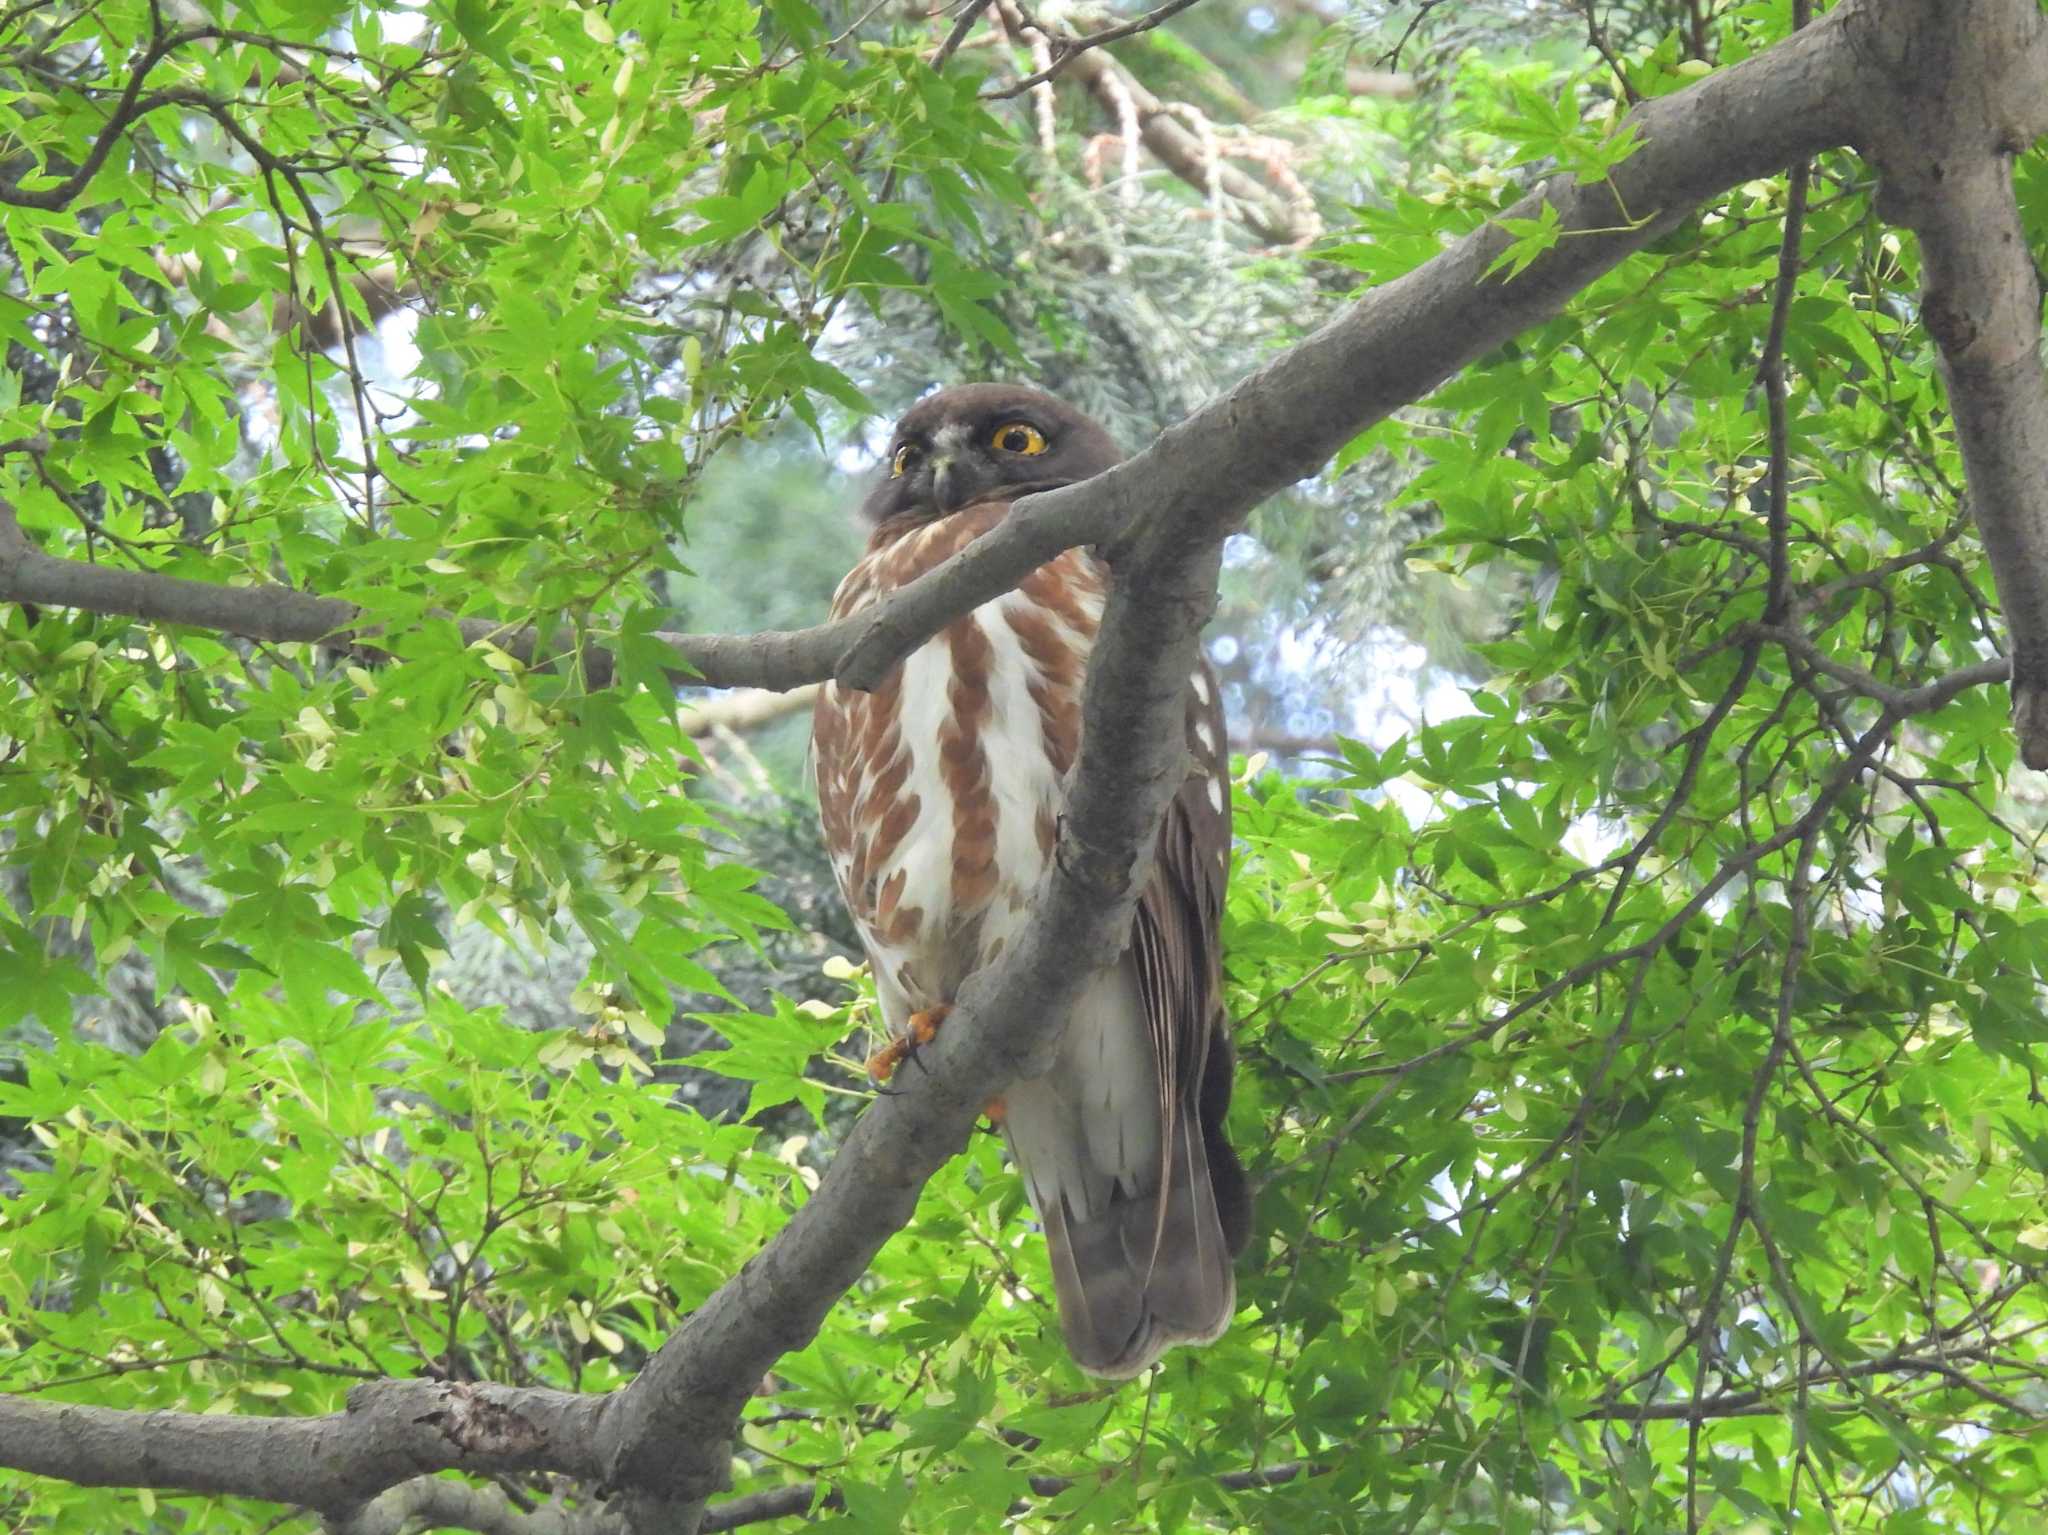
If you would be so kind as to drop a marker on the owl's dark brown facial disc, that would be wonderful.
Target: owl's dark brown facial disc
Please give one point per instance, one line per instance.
(983, 441)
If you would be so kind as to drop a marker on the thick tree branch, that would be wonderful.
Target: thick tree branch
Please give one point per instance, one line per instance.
(1163, 517)
(1954, 105)
(391, 1432)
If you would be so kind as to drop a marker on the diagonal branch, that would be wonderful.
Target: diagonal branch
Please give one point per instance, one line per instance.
(1284, 422)
(1175, 504)
(132, 107)
(970, 13)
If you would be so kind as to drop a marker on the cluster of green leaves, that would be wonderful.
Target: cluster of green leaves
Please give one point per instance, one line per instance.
(1655, 1049)
(324, 1181)
(517, 177)
(276, 1201)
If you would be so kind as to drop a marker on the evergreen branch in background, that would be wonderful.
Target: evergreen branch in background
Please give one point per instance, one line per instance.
(378, 286)
(432, 1502)
(1194, 157)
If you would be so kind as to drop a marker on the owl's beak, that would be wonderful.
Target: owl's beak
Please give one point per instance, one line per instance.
(946, 482)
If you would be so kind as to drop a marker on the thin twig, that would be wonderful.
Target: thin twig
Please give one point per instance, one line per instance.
(970, 13)
(1066, 49)
(1771, 372)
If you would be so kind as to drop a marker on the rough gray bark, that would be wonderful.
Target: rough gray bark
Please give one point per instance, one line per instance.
(392, 1431)
(662, 1443)
(1958, 102)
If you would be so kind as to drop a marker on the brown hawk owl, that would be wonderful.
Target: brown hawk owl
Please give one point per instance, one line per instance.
(940, 793)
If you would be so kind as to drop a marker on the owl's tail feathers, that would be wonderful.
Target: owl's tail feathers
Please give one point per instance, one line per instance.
(1134, 1279)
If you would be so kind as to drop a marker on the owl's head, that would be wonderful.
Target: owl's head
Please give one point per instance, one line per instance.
(982, 441)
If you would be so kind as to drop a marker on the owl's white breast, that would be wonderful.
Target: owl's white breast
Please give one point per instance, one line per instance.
(987, 718)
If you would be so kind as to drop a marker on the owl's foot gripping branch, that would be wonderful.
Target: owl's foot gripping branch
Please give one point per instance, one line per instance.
(921, 1031)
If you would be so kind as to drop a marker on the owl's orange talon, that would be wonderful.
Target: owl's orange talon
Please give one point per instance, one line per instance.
(922, 1030)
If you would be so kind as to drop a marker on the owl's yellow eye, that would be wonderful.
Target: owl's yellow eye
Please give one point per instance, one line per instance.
(900, 464)
(1019, 437)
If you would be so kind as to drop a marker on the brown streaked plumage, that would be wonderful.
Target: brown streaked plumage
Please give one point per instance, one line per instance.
(940, 793)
